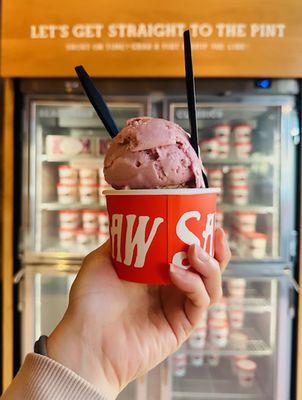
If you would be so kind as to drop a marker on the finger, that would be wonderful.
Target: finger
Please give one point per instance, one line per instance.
(197, 298)
(209, 270)
(98, 254)
(222, 251)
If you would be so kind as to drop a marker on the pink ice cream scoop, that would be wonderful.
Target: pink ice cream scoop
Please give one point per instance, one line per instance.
(152, 153)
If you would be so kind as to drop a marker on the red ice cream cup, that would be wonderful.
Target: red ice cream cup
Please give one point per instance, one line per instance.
(151, 229)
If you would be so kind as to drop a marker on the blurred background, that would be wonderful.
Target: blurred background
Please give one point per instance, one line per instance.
(248, 67)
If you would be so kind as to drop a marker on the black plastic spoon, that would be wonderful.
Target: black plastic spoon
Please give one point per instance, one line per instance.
(97, 101)
(191, 98)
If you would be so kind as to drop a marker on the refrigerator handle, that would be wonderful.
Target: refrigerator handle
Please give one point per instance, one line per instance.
(294, 289)
(18, 280)
(19, 275)
(293, 246)
(291, 280)
(295, 134)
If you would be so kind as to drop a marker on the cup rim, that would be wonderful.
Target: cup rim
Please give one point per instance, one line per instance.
(160, 192)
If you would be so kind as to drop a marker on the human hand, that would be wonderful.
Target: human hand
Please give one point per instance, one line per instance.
(114, 331)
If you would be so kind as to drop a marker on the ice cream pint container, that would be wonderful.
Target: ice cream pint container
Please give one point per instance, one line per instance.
(236, 318)
(218, 310)
(234, 361)
(153, 228)
(257, 244)
(239, 195)
(242, 133)
(213, 357)
(69, 219)
(243, 149)
(236, 287)
(67, 236)
(238, 340)
(209, 148)
(215, 174)
(197, 339)
(67, 175)
(90, 219)
(222, 132)
(245, 222)
(88, 176)
(67, 194)
(224, 149)
(88, 194)
(218, 332)
(197, 358)
(67, 145)
(246, 370)
(179, 363)
(238, 174)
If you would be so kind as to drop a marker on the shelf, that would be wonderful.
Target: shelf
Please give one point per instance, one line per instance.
(75, 251)
(214, 383)
(238, 161)
(55, 206)
(256, 347)
(64, 158)
(257, 208)
(254, 305)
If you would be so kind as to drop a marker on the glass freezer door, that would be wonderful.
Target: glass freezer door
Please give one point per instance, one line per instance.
(65, 214)
(240, 351)
(246, 146)
(43, 299)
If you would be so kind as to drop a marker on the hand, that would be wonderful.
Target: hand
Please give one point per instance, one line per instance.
(114, 331)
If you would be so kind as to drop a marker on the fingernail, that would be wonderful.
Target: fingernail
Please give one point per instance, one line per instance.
(201, 254)
(177, 270)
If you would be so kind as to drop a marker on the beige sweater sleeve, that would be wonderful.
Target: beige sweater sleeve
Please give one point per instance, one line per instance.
(41, 378)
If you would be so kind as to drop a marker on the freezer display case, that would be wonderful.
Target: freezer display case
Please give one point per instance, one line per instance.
(242, 349)
(246, 144)
(65, 215)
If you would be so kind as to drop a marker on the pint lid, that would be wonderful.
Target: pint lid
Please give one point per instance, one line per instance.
(64, 166)
(246, 365)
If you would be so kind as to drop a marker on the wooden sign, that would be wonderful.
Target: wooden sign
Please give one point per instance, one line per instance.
(233, 38)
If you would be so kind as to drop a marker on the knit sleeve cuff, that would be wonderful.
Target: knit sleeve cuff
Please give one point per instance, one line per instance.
(41, 377)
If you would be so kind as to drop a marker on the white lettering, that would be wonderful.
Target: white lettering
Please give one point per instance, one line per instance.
(116, 234)
(203, 30)
(183, 232)
(142, 30)
(231, 30)
(179, 258)
(208, 233)
(186, 236)
(49, 31)
(87, 31)
(138, 240)
(267, 30)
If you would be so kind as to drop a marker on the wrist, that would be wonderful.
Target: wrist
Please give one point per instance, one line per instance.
(71, 346)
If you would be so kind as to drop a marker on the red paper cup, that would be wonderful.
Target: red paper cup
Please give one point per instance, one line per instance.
(150, 229)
